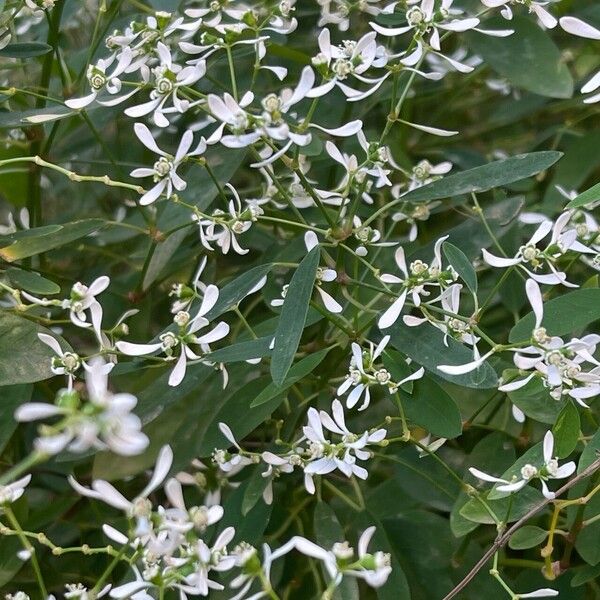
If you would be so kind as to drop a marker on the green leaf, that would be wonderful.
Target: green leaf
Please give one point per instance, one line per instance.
(520, 505)
(425, 345)
(31, 281)
(533, 456)
(172, 216)
(38, 241)
(11, 396)
(590, 453)
(161, 256)
(562, 315)
(293, 316)
(328, 532)
(462, 265)
(235, 291)
(587, 544)
(25, 50)
(534, 399)
(301, 369)
(588, 197)
(254, 490)
(242, 415)
(431, 407)
(529, 59)
(23, 358)
(486, 177)
(242, 351)
(566, 430)
(528, 536)
(249, 526)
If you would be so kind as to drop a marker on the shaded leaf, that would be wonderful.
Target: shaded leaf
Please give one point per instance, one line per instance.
(526, 537)
(293, 316)
(486, 177)
(529, 59)
(23, 246)
(31, 281)
(432, 408)
(562, 315)
(25, 50)
(425, 345)
(566, 430)
(462, 265)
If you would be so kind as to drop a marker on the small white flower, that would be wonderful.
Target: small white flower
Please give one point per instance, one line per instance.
(164, 171)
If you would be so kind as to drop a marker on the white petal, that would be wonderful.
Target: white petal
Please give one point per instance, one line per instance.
(578, 27)
(344, 131)
(548, 446)
(497, 261)
(431, 130)
(535, 299)
(390, 316)
(178, 373)
(161, 470)
(137, 349)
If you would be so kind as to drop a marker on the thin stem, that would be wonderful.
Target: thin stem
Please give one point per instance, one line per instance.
(29, 547)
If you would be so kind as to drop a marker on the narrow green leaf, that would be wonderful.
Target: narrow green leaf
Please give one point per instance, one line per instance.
(301, 369)
(432, 408)
(31, 281)
(528, 58)
(25, 50)
(462, 265)
(425, 345)
(293, 316)
(566, 430)
(487, 177)
(254, 490)
(32, 244)
(242, 351)
(235, 291)
(588, 197)
(528, 536)
(562, 315)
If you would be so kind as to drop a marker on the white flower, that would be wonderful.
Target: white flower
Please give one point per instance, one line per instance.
(164, 171)
(104, 422)
(13, 491)
(351, 59)
(100, 80)
(558, 363)
(419, 278)
(529, 254)
(425, 22)
(548, 470)
(582, 29)
(171, 342)
(223, 227)
(340, 560)
(326, 456)
(229, 462)
(168, 78)
(364, 374)
(140, 508)
(64, 363)
(534, 6)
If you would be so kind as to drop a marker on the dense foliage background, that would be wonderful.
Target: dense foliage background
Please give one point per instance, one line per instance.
(484, 150)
